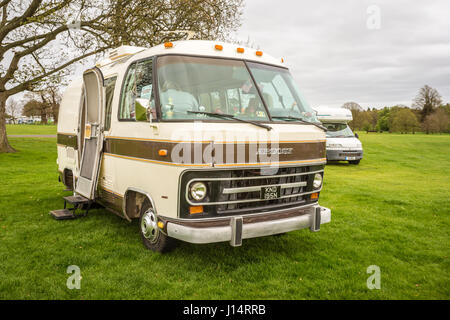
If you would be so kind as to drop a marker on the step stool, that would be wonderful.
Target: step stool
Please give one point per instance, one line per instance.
(78, 202)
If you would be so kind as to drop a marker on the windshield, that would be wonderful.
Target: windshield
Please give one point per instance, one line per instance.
(225, 86)
(280, 93)
(338, 130)
(209, 85)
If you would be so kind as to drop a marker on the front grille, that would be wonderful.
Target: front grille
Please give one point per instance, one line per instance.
(241, 201)
(239, 191)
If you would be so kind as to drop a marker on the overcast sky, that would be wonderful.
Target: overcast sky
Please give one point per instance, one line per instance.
(339, 51)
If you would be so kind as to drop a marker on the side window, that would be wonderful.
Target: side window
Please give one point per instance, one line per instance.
(138, 102)
(110, 84)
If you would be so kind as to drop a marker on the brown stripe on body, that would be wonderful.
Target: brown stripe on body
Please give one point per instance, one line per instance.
(110, 199)
(177, 152)
(220, 153)
(67, 139)
(145, 149)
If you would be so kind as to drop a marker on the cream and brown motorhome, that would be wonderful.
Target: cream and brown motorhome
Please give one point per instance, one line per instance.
(201, 141)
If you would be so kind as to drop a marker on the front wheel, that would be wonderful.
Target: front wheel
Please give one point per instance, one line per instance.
(354, 161)
(152, 237)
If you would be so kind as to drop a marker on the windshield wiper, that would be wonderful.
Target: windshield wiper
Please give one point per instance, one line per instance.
(302, 120)
(230, 116)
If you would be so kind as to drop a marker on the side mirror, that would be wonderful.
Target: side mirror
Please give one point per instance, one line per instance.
(356, 135)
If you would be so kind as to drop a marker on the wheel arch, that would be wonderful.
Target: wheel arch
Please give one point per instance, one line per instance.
(67, 177)
(133, 199)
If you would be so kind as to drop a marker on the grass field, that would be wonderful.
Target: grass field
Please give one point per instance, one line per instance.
(26, 129)
(392, 210)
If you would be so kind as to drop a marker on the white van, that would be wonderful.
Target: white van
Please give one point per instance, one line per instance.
(342, 143)
(201, 141)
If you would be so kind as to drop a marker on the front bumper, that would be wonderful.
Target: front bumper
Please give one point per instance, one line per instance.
(237, 228)
(344, 154)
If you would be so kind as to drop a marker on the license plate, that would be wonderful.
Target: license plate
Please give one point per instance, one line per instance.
(350, 158)
(270, 193)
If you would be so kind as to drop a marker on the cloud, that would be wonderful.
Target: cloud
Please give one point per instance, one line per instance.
(336, 58)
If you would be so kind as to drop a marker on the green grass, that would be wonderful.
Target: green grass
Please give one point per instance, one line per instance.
(26, 129)
(392, 210)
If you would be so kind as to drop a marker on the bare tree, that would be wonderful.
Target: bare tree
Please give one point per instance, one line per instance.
(49, 100)
(13, 109)
(52, 96)
(42, 104)
(352, 106)
(40, 39)
(438, 121)
(427, 100)
(359, 119)
(429, 125)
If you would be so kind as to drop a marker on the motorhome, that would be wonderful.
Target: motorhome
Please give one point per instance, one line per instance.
(201, 141)
(342, 143)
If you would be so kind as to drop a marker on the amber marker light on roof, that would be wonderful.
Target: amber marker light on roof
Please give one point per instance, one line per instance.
(240, 50)
(259, 53)
(218, 47)
(168, 44)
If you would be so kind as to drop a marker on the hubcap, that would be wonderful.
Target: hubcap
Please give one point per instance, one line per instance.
(149, 228)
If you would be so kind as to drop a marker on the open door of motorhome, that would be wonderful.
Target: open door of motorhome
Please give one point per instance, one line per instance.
(92, 125)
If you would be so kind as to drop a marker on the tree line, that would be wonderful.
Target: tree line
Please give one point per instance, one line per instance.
(427, 114)
(44, 104)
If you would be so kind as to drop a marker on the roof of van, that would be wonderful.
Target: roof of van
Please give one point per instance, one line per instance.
(193, 47)
(328, 114)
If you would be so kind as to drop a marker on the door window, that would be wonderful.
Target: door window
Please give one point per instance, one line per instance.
(110, 84)
(138, 103)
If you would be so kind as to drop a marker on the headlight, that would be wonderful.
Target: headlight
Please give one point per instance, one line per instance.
(334, 145)
(317, 181)
(198, 191)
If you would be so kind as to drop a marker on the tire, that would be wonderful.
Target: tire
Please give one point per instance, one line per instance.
(152, 237)
(354, 161)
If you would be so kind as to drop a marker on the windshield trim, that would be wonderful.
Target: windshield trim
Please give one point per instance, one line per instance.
(258, 90)
(157, 98)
